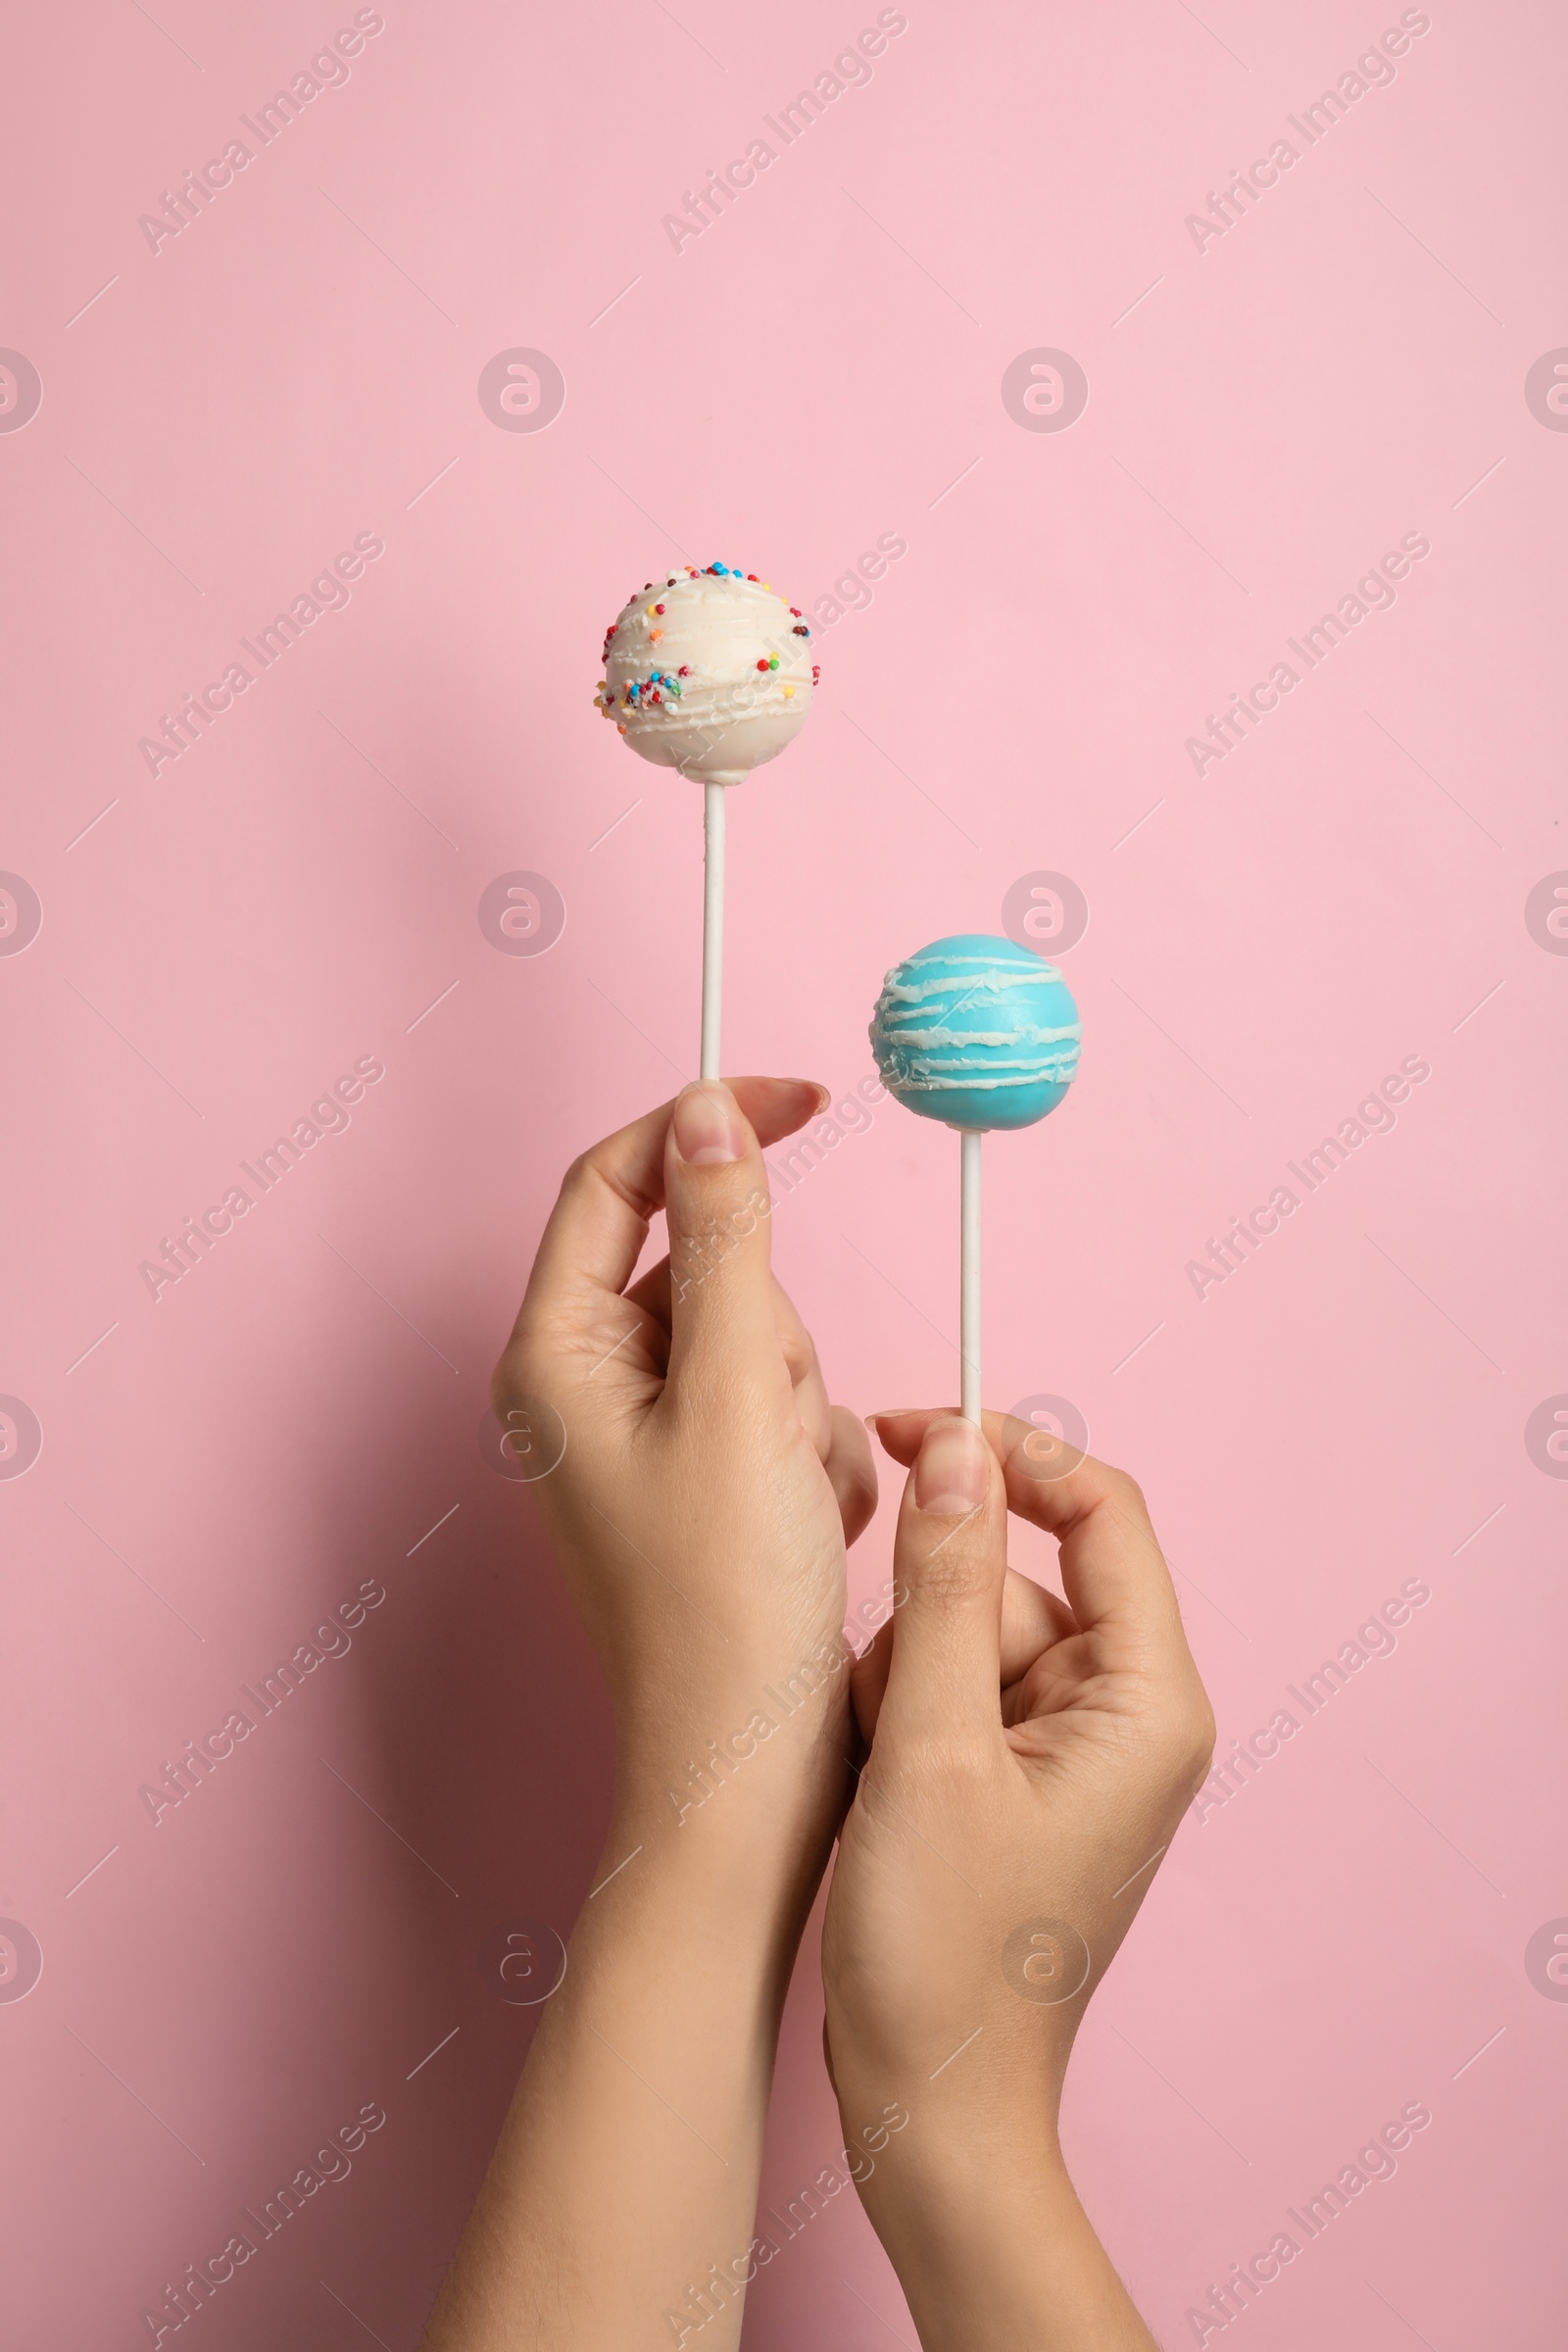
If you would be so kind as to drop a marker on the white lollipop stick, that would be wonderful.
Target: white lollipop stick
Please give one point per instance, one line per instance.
(713, 923)
(969, 1271)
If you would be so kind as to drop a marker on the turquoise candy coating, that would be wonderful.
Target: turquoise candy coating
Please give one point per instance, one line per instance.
(976, 1032)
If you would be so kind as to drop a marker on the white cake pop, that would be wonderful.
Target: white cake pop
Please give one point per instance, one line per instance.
(709, 672)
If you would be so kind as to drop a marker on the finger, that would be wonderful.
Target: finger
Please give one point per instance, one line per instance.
(1112, 1570)
(851, 1472)
(650, 1292)
(723, 1319)
(899, 1430)
(812, 1400)
(600, 1223)
(950, 1562)
(1033, 1620)
(868, 1681)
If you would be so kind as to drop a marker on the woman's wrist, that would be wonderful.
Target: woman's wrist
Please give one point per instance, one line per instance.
(996, 2253)
(625, 2184)
(764, 1769)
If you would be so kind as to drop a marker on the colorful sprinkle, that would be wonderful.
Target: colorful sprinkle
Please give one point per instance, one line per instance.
(661, 687)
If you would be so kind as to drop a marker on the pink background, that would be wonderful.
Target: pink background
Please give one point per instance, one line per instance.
(820, 366)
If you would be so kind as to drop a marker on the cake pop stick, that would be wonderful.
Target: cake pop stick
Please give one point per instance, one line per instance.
(969, 1139)
(980, 1034)
(709, 672)
(713, 924)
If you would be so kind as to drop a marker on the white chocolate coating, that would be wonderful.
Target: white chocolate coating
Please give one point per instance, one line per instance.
(708, 672)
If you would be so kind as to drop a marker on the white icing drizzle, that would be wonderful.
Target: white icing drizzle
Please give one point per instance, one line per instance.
(719, 628)
(925, 1056)
(993, 978)
(726, 715)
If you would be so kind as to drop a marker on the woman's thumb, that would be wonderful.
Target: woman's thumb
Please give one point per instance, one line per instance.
(717, 1208)
(950, 1565)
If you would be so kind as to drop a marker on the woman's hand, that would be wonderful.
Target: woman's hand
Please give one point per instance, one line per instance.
(705, 1488)
(1029, 1760)
(698, 1491)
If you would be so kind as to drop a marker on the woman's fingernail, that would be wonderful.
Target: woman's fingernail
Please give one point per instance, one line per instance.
(709, 1131)
(950, 1470)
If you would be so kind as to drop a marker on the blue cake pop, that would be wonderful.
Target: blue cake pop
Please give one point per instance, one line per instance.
(977, 1032)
